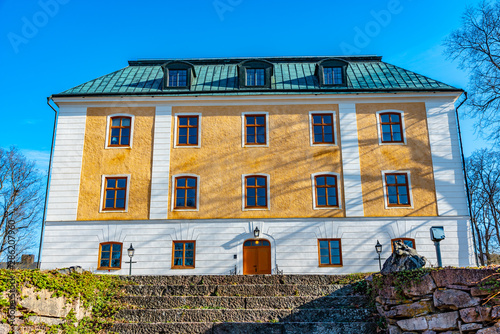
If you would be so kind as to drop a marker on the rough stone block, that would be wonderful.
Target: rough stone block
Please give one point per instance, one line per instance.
(410, 310)
(481, 291)
(451, 276)
(495, 329)
(429, 332)
(394, 330)
(45, 320)
(414, 324)
(443, 321)
(424, 287)
(475, 314)
(495, 312)
(470, 327)
(454, 299)
(458, 287)
(4, 329)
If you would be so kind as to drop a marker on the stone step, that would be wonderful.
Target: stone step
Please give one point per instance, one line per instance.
(224, 315)
(289, 302)
(237, 290)
(246, 328)
(240, 279)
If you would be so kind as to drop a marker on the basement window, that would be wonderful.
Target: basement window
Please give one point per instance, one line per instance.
(110, 256)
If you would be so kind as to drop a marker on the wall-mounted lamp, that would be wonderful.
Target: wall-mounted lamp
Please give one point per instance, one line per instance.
(130, 252)
(256, 232)
(437, 234)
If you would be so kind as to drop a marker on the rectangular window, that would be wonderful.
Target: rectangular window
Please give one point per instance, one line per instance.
(110, 255)
(397, 189)
(322, 129)
(119, 132)
(255, 129)
(185, 192)
(187, 130)
(391, 128)
(177, 78)
(255, 77)
(183, 254)
(255, 192)
(330, 252)
(332, 75)
(326, 191)
(115, 193)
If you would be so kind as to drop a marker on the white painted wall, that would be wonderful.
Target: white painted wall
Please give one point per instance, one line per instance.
(350, 160)
(161, 163)
(293, 241)
(67, 164)
(446, 159)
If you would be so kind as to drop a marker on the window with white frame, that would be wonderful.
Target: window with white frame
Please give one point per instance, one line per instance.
(326, 190)
(390, 127)
(255, 129)
(114, 193)
(322, 128)
(255, 192)
(185, 192)
(397, 189)
(187, 130)
(119, 131)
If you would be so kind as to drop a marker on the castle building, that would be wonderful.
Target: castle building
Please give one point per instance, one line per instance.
(254, 166)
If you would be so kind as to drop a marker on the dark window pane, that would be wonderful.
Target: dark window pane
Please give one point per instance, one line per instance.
(126, 132)
(250, 201)
(261, 192)
(193, 121)
(334, 244)
(109, 203)
(115, 132)
(323, 244)
(116, 253)
(261, 181)
(120, 194)
(386, 137)
(191, 182)
(104, 263)
(328, 129)
(250, 120)
(403, 199)
(193, 140)
(384, 118)
(261, 139)
(124, 141)
(110, 194)
(325, 260)
(126, 122)
(324, 252)
(332, 200)
(191, 193)
(397, 137)
(261, 130)
(401, 179)
(193, 131)
(261, 120)
(178, 253)
(181, 182)
(321, 191)
(189, 253)
(320, 180)
(335, 259)
(321, 201)
(318, 129)
(106, 248)
(189, 262)
(183, 121)
(251, 181)
(391, 179)
(111, 183)
(120, 203)
(181, 193)
(261, 201)
(409, 243)
(317, 119)
(115, 263)
(330, 180)
(183, 131)
(393, 199)
(250, 139)
(190, 202)
(122, 183)
(179, 202)
(189, 245)
(318, 138)
(395, 118)
(178, 246)
(391, 190)
(251, 130)
(116, 122)
(386, 129)
(178, 262)
(331, 192)
(251, 192)
(402, 190)
(396, 129)
(114, 140)
(247, 243)
(335, 251)
(327, 119)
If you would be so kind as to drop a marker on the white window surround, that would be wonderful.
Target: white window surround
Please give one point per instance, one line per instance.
(379, 131)
(108, 129)
(410, 192)
(176, 119)
(243, 192)
(243, 114)
(339, 193)
(103, 186)
(172, 207)
(311, 132)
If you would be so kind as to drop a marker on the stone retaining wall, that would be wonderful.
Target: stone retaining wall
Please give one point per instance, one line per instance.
(451, 301)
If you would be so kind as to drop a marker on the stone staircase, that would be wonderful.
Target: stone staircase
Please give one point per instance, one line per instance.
(243, 304)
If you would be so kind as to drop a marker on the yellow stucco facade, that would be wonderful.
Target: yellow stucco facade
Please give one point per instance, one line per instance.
(414, 156)
(99, 160)
(289, 160)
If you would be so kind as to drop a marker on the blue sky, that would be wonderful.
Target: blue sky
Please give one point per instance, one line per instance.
(48, 46)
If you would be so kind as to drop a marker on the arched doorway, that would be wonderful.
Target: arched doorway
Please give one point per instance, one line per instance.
(256, 257)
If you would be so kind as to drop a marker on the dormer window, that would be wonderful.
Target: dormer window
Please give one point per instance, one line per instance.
(255, 74)
(332, 72)
(177, 78)
(332, 75)
(255, 77)
(178, 75)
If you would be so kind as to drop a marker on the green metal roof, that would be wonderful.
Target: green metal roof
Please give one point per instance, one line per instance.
(292, 75)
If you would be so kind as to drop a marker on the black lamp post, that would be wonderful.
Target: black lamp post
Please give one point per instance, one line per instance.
(130, 252)
(256, 232)
(378, 248)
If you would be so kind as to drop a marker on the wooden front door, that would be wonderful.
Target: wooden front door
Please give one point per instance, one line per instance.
(256, 257)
